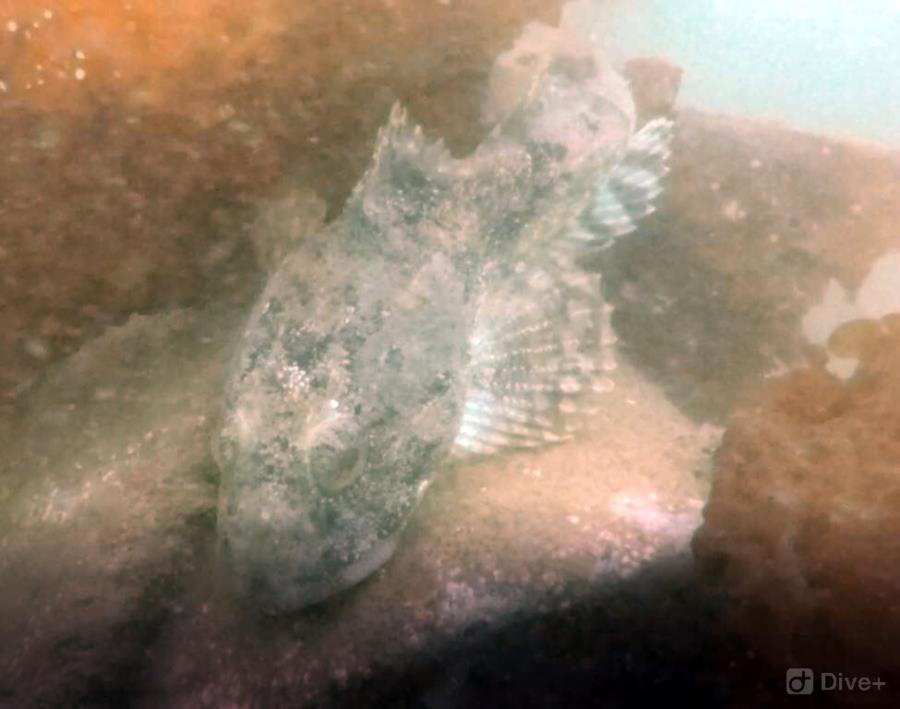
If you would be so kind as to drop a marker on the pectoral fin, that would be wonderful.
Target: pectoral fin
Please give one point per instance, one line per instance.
(541, 349)
(628, 193)
(543, 344)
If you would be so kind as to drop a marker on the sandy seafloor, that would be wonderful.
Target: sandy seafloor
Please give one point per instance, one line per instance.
(112, 534)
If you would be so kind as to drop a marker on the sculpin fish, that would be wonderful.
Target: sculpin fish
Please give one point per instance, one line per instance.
(443, 313)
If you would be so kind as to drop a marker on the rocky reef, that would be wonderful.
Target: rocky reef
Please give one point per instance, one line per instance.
(122, 121)
(564, 576)
(110, 589)
(801, 524)
(757, 219)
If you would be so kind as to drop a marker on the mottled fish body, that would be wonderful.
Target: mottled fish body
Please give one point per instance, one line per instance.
(442, 312)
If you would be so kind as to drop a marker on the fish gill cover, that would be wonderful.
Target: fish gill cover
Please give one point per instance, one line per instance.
(443, 312)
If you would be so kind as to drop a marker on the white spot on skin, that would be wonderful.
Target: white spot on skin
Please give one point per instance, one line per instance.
(48, 14)
(569, 385)
(333, 404)
(732, 211)
(603, 386)
(79, 55)
(36, 348)
(12, 26)
(80, 74)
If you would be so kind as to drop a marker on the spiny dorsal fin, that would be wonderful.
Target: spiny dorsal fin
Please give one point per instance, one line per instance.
(407, 172)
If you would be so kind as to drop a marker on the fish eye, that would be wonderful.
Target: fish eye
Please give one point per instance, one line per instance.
(335, 469)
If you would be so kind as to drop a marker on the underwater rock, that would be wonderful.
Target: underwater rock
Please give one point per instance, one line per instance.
(139, 138)
(654, 85)
(110, 487)
(106, 490)
(493, 540)
(107, 543)
(755, 221)
(284, 221)
(108, 589)
(444, 310)
(800, 532)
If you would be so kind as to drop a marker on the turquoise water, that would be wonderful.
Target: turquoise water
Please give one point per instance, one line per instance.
(828, 66)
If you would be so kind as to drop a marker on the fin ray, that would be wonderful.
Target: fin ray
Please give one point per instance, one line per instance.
(543, 343)
(627, 194)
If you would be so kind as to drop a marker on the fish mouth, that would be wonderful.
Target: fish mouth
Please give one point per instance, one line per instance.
(279, 592)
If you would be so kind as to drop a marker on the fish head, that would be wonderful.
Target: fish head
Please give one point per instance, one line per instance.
(335, 423)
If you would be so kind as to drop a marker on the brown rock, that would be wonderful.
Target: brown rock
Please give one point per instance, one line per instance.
(139, 138)
(108, 570)
(654, 84)
(106, 495)
(755, 221)
(801, 528)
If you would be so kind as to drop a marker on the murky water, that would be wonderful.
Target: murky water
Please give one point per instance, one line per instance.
(822, 66)
(571, 379)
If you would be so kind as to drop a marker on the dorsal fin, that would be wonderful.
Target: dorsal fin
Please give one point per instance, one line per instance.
(627, 193)
(407, 176)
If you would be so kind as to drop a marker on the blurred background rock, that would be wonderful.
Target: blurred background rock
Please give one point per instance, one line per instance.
(139, 135)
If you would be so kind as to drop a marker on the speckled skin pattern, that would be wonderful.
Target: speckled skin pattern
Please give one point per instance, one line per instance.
(347, 389)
